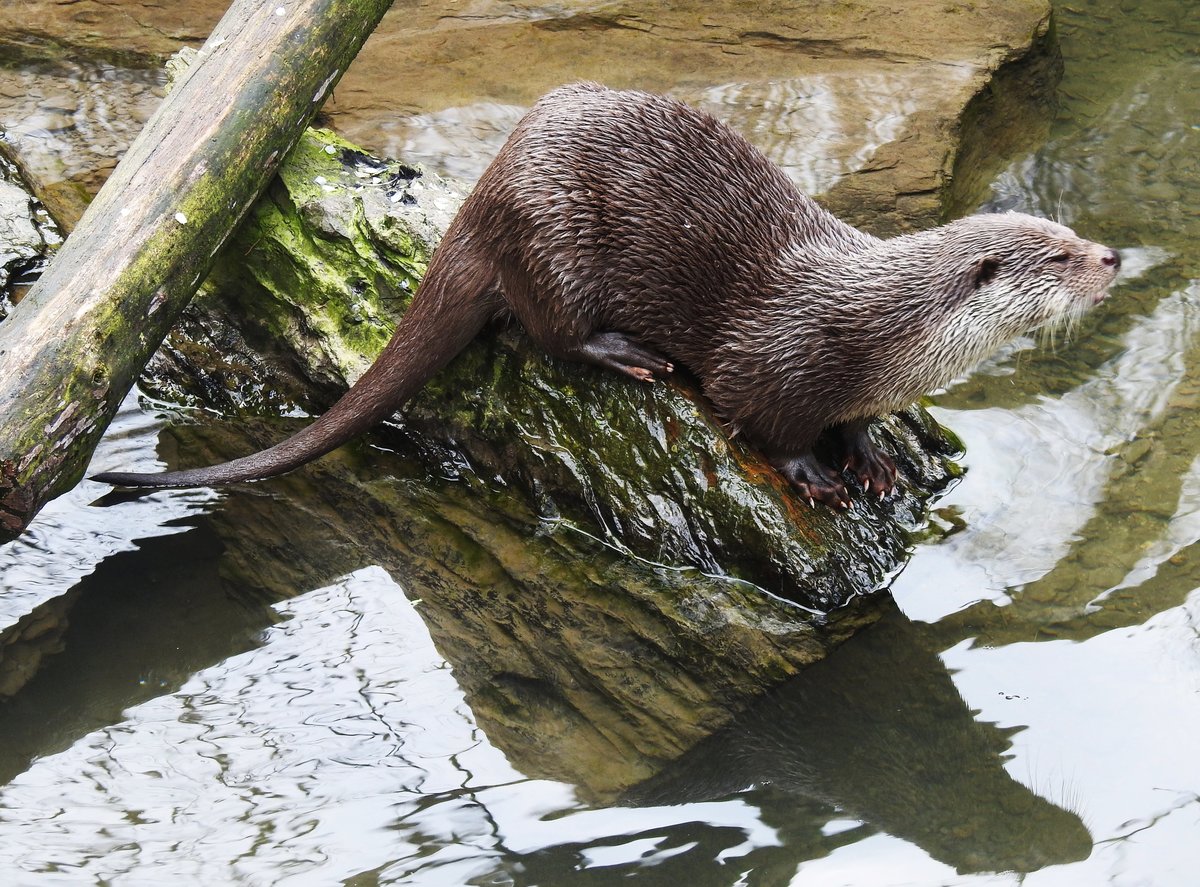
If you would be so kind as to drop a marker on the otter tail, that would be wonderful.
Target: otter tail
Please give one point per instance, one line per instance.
(457, 298)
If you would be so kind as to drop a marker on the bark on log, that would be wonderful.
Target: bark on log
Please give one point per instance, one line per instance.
(74, 346)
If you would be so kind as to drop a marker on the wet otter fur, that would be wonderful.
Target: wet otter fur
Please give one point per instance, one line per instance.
(631, 231)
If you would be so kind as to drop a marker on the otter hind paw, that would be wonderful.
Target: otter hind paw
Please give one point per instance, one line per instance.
(873, 467)
(619, 352)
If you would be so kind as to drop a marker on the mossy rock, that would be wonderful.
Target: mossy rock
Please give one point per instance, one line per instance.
(315, 281)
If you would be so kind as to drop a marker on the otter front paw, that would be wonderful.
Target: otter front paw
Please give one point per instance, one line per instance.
(814, 481)
(873, 467)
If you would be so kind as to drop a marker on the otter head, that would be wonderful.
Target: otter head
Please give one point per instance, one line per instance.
(983, 281)
(1018, 273)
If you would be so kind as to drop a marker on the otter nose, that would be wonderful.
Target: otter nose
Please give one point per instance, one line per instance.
(1112, 259)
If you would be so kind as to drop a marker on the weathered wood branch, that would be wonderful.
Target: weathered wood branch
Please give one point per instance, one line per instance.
(73, 347)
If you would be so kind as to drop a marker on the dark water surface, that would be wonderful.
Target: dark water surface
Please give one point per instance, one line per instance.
(1032, 704)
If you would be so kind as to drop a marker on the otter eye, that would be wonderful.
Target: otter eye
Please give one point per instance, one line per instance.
(985, 271)
(1061, 258)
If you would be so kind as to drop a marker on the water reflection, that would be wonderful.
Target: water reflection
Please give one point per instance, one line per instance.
(136, 627)
(341, 746)
(585, 665)
(344, 744)
(879, 732)
(1100, 463)
(331, 739)
(69, 539)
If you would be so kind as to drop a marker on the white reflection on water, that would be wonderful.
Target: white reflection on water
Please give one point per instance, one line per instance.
(1182, 532)
(882, 860)
(1037, 471)
(68, 539)
(342, 745)
(1092, 739)
(296, 757)
(1096, 737)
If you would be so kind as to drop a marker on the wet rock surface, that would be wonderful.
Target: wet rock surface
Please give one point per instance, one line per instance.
(27, 236)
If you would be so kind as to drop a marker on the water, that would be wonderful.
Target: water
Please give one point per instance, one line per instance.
(235, 702)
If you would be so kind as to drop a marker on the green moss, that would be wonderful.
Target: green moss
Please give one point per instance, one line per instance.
(315, 267)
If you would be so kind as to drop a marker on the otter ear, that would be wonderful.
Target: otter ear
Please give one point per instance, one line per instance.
(985, 271)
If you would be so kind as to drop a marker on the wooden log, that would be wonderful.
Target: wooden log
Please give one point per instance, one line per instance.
(71, 350)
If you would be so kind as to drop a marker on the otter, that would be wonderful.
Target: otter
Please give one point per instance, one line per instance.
(631, 231)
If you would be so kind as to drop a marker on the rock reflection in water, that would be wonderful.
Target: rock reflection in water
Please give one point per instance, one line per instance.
(482, 733)
(136, 627)
(417, 744)
(340, 744)
(583, 664)
(343, 747)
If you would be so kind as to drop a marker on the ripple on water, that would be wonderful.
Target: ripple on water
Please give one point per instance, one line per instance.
(342, 745)
(72, 534)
